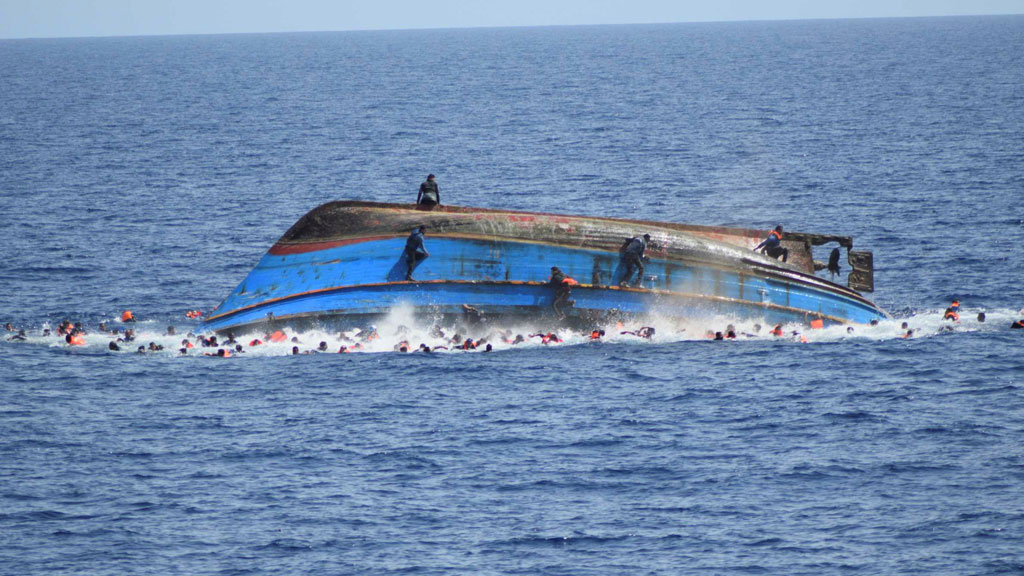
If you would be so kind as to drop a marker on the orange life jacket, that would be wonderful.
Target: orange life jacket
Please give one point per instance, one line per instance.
(77, 340)
(570, 281)
(189, 345)
(127, 316)
(817, 323)
(776, 234)
(278, 336)
(595, 335)
(777, 331)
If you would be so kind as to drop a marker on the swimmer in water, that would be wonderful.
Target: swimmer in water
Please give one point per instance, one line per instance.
(295, 350)
(646, 332)
(19, 337)
(953, 312)
(322, 347)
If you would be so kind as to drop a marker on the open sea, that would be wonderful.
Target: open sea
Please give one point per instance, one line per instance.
(151, 174)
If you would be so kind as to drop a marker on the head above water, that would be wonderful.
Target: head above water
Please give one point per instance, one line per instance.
(779, 228)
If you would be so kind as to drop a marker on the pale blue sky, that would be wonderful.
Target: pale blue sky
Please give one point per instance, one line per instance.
(59, 18)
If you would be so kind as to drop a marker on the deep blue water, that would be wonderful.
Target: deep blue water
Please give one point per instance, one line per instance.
(152, 173)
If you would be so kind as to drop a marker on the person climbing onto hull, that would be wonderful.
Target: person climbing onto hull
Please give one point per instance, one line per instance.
(632, 260)
(415, 252)
(563, 289)
(772, 245)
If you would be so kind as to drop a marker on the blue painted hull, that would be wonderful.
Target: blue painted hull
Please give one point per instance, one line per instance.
(348, 279)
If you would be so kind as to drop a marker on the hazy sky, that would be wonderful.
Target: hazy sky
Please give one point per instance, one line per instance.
(55, 18)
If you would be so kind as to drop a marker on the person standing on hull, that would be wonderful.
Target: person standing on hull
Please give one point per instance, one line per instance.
(633, 259)
(415, 252)
(429, 195)
(773, 245)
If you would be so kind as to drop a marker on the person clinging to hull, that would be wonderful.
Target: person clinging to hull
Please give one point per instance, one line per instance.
(429, 195)
(563, 288)
(415, 252)
(772, 245)
(632, 259)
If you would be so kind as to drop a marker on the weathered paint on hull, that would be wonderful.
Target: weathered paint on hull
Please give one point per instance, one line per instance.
(504, 299)
(360, 272)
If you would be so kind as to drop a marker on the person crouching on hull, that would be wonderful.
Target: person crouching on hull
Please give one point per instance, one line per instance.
(772, 245)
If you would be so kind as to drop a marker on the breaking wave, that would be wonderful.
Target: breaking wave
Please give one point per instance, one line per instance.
(401, 327)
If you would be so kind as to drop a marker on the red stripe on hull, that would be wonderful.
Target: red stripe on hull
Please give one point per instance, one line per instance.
(282, 249)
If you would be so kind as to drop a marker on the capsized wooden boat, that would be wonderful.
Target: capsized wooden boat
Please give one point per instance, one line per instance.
(343, 262)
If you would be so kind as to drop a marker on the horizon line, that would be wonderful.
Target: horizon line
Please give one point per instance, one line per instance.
(512, 26)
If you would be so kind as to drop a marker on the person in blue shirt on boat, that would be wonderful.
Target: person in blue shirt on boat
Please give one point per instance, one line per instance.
(633, 259)
(429, 194)
(773, 245)
(415, 252)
